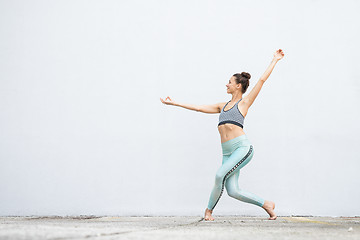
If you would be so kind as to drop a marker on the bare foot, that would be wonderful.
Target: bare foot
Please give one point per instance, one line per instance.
(208, 215)
(269, 208)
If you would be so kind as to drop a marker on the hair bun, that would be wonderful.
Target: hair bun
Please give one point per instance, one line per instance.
(246, 75)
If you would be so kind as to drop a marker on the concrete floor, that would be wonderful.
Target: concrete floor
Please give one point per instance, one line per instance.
(192, 227)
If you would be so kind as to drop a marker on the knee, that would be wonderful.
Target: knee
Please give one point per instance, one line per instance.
(219, 178)
(235, 193)
(232, 192)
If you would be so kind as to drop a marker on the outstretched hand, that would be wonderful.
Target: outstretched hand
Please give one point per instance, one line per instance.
(167, 101)
(279, 54)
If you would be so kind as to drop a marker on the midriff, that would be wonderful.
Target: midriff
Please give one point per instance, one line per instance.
(229, 131)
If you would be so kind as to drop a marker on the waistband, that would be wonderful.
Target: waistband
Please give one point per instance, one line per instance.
(229, 146)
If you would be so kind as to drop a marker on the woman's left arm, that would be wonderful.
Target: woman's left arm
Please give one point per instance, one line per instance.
(250, 98)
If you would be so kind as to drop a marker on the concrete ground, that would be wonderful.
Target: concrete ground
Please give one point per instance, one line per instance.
(192, 227)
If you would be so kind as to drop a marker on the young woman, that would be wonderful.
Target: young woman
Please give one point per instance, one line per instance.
(236, 148)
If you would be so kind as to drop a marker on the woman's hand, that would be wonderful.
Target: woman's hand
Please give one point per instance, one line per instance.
(279, 54)
(167, 101)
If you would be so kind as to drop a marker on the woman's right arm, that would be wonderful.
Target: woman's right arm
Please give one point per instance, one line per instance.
(214, 108)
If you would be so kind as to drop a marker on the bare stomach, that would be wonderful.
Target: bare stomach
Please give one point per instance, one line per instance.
(229, 131)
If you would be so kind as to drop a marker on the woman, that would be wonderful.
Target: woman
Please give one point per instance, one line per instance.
(236, 148)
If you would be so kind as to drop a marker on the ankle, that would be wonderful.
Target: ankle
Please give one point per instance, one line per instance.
(266, 204)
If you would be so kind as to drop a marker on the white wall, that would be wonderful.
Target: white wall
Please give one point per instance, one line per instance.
(82, 129)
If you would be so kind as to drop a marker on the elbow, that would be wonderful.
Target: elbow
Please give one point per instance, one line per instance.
(262, 79)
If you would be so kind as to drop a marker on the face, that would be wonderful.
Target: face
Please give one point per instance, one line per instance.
(232, 86)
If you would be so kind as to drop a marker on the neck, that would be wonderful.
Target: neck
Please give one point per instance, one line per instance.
(236, 97)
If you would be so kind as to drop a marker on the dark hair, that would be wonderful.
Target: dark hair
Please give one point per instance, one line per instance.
(242, 78)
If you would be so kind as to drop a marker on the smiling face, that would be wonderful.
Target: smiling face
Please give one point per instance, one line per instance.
(232, 86)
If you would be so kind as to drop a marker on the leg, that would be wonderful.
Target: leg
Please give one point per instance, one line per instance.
(230, 164)
(215, 192)
(233, 190)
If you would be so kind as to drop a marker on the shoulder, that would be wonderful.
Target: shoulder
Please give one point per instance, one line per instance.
(245, 102)
(222, 104)
(245, 99)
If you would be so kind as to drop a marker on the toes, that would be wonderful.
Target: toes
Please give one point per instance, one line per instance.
(209, 218)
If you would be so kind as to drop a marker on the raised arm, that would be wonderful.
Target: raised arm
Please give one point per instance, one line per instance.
(250, 98)
(214, 108)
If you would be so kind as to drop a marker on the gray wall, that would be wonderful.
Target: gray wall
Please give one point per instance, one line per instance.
(82, 129)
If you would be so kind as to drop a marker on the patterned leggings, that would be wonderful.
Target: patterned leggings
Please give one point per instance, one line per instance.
(237, 152)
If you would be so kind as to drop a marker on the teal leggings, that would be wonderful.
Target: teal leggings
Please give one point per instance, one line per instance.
(237, 152)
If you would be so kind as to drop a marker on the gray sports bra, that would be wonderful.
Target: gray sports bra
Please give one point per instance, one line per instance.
(233, 115)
